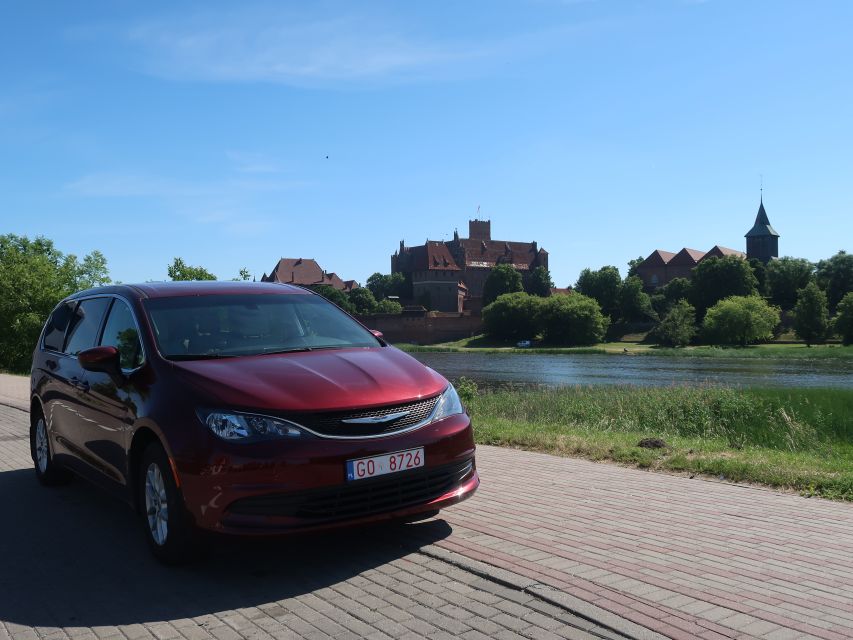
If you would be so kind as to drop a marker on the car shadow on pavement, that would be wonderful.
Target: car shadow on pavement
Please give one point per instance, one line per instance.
(74, 556)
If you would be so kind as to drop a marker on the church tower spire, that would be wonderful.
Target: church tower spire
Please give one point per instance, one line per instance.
(762, 241)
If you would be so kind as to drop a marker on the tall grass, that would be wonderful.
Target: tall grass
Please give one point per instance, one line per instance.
(795, 438)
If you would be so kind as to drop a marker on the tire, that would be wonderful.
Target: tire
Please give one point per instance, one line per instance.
(48, 472)
(168, 528)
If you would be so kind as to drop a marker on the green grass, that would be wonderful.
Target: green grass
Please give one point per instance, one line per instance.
(483, 344)
(799, 439)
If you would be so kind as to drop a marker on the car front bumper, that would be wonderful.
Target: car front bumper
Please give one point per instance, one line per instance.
(298, 486)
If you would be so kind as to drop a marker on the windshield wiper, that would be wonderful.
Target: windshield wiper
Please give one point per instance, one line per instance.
(301, 349)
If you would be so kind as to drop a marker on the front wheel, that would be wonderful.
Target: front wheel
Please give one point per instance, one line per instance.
(47, 471)
(165, 521)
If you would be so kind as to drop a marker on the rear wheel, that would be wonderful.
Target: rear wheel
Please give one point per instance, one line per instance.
(168, 529)
(47, 471)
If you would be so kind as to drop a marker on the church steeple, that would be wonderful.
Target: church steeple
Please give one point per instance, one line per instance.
(762, 241)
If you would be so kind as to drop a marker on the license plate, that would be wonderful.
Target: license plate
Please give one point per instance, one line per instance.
(373, 466)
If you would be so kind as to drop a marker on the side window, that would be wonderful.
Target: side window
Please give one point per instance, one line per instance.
(54, 334)
(85, 322)
(120, 332)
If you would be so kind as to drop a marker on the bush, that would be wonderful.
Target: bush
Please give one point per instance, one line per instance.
(740, 320)
(844, 319)
(811, 318)
(678, 327)
(467, 390)
(388, 306)
(573, 320)
(513, 316)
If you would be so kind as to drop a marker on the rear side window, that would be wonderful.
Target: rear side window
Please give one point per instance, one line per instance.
(85, 323)
(120, 332)
(54, 333)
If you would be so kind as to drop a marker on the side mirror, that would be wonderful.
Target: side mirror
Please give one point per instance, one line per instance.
(103, 359)
(377, 333)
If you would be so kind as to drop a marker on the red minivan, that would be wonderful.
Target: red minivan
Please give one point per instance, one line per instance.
(242, 408)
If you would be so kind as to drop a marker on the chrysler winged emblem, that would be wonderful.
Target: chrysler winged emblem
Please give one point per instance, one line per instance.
(377, 419)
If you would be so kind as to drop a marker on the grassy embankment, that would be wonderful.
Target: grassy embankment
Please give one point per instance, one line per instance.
(800, 439)
(482, 344)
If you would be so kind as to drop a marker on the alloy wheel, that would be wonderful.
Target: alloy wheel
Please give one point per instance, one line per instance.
(42, 453)
(156, 504)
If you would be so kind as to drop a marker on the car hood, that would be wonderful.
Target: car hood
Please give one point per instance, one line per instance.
(313, 380)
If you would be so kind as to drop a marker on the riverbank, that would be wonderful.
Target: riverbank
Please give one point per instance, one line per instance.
(800, 439)
(481, 344)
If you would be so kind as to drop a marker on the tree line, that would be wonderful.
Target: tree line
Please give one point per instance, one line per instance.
(728, 300)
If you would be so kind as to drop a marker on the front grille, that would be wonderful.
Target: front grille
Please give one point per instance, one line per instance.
(359, 498)
(331, 423)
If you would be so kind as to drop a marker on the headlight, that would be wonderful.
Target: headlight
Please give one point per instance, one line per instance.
(448, 404)
(245, 426)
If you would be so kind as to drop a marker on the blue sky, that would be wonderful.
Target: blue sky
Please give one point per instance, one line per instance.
(232, 134)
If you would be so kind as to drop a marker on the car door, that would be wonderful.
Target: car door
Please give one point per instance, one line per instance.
(72, 417)
(58, 371)
(112, 404)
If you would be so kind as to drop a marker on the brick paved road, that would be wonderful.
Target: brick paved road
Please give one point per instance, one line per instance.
(686, 558)
(74, 565)
(689, 558)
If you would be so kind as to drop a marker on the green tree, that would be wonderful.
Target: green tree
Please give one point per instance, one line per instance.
(513, 316)
(540, 283)
(504, 278)
(740, 320)
(759, 270)
(243, 275)
(362, 301)
(34, 277)
(717, 278)
(811, 317)
(835, 276)
(785, 277)
(844, 319)
(180, 270)
(388, 306)
(336, 296)
(678, 327)
(382, 286)
(602, 285)
(635, 305)
(633, 264)
(573, 320)
(676, 289)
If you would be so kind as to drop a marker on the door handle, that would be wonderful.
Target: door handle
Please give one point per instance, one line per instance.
(83, 385)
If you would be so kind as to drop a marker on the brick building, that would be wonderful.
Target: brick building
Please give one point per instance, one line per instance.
(762, 243)
(306, 272)
(449, 275)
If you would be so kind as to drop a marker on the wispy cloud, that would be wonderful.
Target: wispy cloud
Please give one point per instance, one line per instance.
(284, 48)
(236, 204)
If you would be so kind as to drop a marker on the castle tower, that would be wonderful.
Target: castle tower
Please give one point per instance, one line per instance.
(762, 241)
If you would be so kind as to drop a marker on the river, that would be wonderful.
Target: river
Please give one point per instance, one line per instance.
(589, 369)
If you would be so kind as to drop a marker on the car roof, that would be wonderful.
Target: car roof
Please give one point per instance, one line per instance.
(193, 288)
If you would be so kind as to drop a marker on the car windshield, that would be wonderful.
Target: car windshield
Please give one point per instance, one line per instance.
(221, 326)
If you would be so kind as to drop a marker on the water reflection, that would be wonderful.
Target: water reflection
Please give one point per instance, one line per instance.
(572, 369)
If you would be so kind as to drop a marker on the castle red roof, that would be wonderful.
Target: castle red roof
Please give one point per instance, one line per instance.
(306, 272)
(687, 256)
(720, 252)
(658, 257)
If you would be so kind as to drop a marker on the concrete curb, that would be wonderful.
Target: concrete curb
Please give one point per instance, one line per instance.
(580, 608)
